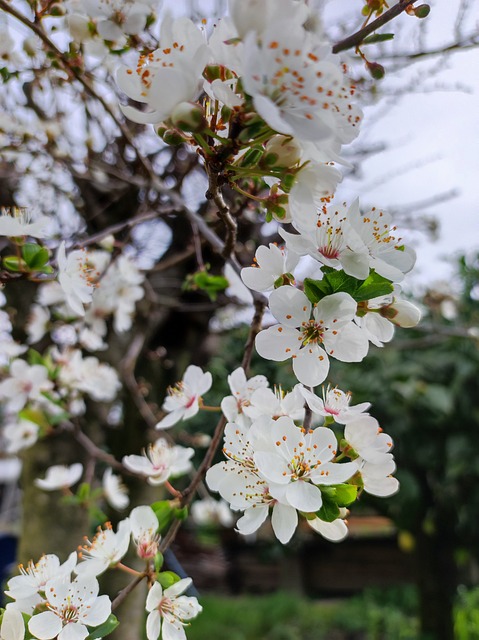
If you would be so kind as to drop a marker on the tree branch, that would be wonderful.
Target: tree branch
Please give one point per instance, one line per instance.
(355, 39)
(76, 73)
(214, 194)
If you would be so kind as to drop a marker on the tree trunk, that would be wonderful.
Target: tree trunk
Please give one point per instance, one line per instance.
(437, 582)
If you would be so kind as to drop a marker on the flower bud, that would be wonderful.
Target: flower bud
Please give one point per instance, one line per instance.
(422, 11)
(376, 70)
(79, 27)
(57, 10)
(189, 116)
(402, 313)
(171, 136)
(30, 46)
(108, 242)
(282, 151)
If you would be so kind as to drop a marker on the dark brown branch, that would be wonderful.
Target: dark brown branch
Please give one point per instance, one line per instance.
(469, 43)
(214, 194)
(189, 492)
(76, 73)
(355, 39)
(94, 451)
(127, 590)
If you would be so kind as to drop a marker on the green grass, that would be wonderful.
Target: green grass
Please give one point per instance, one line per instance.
(287, 617)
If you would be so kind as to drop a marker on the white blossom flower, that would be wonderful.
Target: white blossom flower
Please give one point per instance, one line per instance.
(37, 324)
(378, 479)
(26, 587)
(12, 627)
(144, 527)
(20, 435)
(295, 461)
(265, 402)
(168, 76)
(60, 477)
(9, 349)
(12, 59)
(367, 439)
(308, 335)
(75, 278)
(270, 264)
(329, 238)
(17, 221)
(335, 404)
(72, 607)
(183, 400)
(314, 183)
(208, 512)
(116, 294)
(168, 609)
(297, 87)
(377, 329)
(115, 491)
(259, 477)
(257, 15)
(87, 375)
(242, 389)
(240, 484)
(116, 18)
(378, 317)
(26, 383)
(334, 531)
(160, 461)
(105, 550)
(387, 256)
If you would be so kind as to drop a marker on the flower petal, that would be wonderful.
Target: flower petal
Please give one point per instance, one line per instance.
(304, 496)
(284, 521)
(45, 625)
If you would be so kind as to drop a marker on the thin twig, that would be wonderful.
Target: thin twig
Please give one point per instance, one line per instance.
(214, 193)
(189, 492)
(95, 452)
(355, 39)
(127, 368)
(127, 590)
(75, 72)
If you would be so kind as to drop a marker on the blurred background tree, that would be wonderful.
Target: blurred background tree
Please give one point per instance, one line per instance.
(426, 396)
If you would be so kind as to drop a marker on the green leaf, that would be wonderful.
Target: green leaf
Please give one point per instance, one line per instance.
(14, 263)
(158, 560)
(163, 512)
(83, 492)
(34, 255)
(181, 514)
(35, 416)
(34, 357)
(209, 283)
(252, 157)
(329, 511)
(336, 281)
(167, 579)
(378, 37)
(345, 494)
(314, 290)
(110, 624)
(373, 287)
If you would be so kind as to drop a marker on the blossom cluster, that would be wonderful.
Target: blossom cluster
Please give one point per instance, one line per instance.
(267, 108)
(273, 462)
(57, 604)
